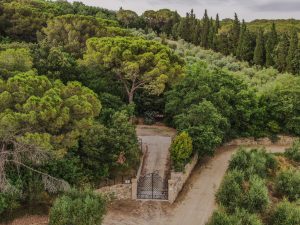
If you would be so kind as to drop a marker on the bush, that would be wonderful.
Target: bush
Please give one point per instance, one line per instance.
(285, 213)
(293, 153)
(181, 150)
(256, 198)
(256, 161)
(230, 194)
(80, 208)
(9, 200)
(236, 192)
(240, 217)
(287, 183)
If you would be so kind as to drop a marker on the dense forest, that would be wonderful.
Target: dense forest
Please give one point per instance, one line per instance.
(74, 78)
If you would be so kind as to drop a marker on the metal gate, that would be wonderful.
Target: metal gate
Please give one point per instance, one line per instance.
(152, 186)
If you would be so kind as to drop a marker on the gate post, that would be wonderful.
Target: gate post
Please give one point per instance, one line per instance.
(133, 188)
(152, 184)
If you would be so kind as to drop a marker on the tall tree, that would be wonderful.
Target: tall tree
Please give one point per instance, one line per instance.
(281, 53)
(272, 41)
(259, 52)
(293, 67)
(137, 63)
(245, 46)
(205, 30)
(218, 25)
(235, 33)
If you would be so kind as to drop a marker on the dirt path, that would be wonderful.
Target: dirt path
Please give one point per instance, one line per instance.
(195, 204)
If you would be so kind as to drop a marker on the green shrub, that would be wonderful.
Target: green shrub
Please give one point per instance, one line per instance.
(256, 197)
(78, 208)
(240, 217)
(293, 153)
(236, 192)
(287, 183)
(255, 161)
(285, 213)
(230, 194)
(181, 150)
(9, 200)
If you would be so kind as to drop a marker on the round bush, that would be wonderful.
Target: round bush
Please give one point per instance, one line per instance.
(181, 150)
(285, 213)
(239, 217)
(256, 161)
(237, 192)
(293, 153)
(78, 208)
(287, 183)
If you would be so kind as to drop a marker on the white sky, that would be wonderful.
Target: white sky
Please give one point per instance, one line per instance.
(246, 9)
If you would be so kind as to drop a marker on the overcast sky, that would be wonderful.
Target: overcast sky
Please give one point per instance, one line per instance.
(247, 9)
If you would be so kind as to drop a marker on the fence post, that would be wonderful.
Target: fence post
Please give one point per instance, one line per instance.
(134, 189)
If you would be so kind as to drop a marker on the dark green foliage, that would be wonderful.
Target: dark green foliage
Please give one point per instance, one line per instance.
(9, 200)
(285, 213)
(240, 217)
(281, 53)
(80, 208)
(238, 192)
(293, 152)
(271, 42)
(254, 162)
(259, 52)
(293, 60)
(287, 184)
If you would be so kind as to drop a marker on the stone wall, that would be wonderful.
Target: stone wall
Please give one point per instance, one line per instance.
(282, 140)
(119, 191)
(178, 179)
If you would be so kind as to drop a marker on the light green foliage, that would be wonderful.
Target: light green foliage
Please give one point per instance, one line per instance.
(137, 63)
(285, 213)
(50, 111)
(287, 183)
(9, 200)
(181, 150)
(240, 217)
(238, 192)
(253, 162)
(14, 60)
(293, 152)
(80, 208)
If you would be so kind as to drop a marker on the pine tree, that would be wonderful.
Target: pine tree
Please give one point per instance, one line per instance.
(205, 30)
(259, 52)
(211, 35)
(292, 53)
(281, 53)
(272, 41)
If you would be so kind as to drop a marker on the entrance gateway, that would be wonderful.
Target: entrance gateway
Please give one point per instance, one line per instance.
(152, 186)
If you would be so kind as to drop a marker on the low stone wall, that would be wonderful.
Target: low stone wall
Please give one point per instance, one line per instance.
(178, 179)
(282, 140)
(119, 191)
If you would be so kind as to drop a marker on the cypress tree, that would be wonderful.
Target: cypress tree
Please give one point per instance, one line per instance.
(205, 30)
(234, 34)
(218, 25)
(259, 52)
(272, 41)
(211, 34)
(246, 44)
(281, 53)
(292, 53)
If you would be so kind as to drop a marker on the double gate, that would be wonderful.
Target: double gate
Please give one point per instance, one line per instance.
(152, 186)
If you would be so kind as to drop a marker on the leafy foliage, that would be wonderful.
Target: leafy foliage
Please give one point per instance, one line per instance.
(181, 150)
(293, 152)
(285, 213)
(288, 184)
(75, 207)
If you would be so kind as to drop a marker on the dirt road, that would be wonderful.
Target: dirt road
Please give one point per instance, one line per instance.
(195, 204)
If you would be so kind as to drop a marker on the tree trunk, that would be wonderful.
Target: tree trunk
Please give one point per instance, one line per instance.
(130, 97)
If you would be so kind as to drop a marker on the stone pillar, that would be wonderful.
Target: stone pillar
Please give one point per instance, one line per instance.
(171, 191)
(134, 189)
